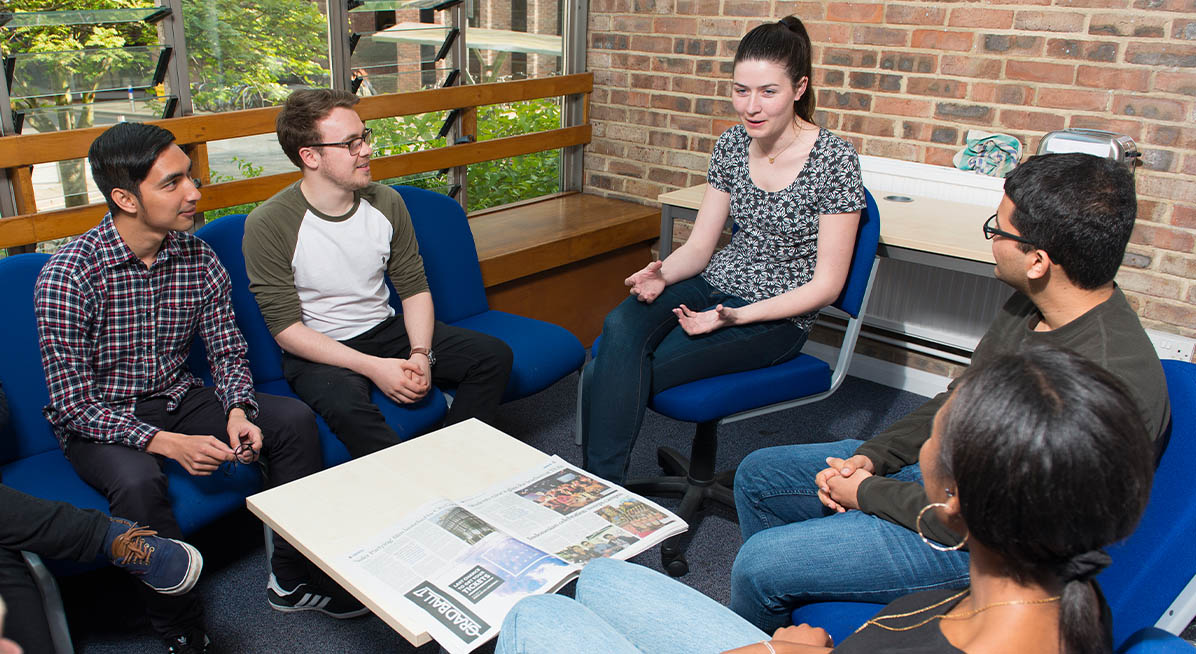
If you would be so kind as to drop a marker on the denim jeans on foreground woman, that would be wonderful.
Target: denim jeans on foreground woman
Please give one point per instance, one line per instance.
(623, 608)
(644, 351)
(796, 551)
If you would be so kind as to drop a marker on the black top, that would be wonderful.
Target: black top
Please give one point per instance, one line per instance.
(925, 639)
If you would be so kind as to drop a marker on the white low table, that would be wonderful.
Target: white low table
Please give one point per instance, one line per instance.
(326, 514)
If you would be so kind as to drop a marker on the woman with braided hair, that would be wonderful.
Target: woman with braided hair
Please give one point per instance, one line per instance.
(1037, 461)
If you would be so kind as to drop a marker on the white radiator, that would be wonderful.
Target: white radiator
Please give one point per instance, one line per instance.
(937, 305)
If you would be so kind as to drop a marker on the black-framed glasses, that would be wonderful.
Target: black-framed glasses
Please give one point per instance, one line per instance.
(244, 454)
(991, 230)
(353, 145)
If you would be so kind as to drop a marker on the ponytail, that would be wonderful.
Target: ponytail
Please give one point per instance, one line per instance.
(803, 106)
(1084, 624)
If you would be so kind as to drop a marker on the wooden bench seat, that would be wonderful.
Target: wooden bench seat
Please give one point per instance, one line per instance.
(563, 258)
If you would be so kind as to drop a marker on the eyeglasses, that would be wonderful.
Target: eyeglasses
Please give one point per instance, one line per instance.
(991, 230)
(353, 145)
(244, 454)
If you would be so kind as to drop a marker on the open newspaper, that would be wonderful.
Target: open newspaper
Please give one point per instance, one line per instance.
(464, 564)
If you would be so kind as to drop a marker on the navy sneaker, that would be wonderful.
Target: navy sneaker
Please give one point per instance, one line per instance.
(308, 596)
(196, 642)
(169, 566)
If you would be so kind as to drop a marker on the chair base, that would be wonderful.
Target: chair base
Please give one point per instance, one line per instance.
(695, 482)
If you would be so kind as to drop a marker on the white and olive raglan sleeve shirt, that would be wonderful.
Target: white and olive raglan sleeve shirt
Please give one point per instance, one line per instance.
(329, 272)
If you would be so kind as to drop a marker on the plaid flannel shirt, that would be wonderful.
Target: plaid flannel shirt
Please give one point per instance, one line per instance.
(113, 332)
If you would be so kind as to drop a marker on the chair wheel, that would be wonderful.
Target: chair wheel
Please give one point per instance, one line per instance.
(676, 567)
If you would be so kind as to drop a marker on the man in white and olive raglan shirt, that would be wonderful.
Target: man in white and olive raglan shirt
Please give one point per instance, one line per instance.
(318, 254)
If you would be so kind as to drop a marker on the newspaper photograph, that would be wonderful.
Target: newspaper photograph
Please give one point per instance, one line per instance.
(464, 564)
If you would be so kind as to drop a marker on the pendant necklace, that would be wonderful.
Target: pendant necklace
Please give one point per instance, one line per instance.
(773, 158)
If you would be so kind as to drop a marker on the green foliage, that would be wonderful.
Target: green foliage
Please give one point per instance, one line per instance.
(64, 73)
(246, 169)
(241, 55)
(491, 183)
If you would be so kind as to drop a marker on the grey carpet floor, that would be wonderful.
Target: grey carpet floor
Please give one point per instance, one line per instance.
(106, 616)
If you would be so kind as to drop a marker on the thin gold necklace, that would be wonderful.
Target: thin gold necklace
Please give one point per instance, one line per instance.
(773, 158)
(959, 616)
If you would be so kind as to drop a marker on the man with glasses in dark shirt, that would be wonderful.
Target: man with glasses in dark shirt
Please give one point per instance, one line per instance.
(846, 520)
(117, 311)
(319, 254)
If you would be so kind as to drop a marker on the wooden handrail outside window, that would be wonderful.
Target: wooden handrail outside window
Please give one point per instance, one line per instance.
(19, 153)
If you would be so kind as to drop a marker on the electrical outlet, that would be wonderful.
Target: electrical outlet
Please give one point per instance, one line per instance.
(1171, 346)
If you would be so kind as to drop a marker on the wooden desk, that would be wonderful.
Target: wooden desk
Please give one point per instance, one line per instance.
(329, 513)
(925, 231)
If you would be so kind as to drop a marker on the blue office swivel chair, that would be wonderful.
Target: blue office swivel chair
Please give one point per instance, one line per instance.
(737, 396)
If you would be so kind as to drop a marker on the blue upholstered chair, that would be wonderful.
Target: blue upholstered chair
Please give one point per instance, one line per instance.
(737, 396)
(32, 462)
(544, 352)
(1152, 640)
(265, 357)
(1152, 581)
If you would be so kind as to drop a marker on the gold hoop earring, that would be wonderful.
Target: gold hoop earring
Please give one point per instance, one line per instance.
(933, 545)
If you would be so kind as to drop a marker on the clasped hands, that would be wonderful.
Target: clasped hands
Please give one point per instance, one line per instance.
(404, 381)
(839, 483)
(647, 284)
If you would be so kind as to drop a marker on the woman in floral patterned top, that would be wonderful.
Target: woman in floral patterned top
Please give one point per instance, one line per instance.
(794, 191)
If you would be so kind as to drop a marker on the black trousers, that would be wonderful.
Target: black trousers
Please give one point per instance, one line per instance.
(477, 364)
(135, 484)
(52, 530)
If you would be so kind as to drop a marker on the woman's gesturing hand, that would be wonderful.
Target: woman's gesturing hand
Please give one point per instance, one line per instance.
(704, 322)
(647, 284)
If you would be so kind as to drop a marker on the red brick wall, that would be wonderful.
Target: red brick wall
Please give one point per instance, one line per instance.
(907, 80)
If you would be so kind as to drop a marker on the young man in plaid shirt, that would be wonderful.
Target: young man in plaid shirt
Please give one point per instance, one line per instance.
(117, 310)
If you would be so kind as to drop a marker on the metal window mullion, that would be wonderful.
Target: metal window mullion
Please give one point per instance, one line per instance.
(170, 33)
(8, 200)
(459, 175)
(338, 44)
(572, 172)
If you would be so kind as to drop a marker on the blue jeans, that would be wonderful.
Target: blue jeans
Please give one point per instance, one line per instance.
(795, 551)
(644, 351)
(623, 608)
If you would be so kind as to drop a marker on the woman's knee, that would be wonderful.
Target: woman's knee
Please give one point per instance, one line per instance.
(606, 580)
(536, 622)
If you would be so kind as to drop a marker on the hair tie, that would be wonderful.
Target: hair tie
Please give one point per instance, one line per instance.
(1083, 567)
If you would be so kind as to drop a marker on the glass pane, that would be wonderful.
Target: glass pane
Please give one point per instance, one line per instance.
(56, 118)
(85, 75)
(246, 55)
(384, 79)
(381, 48)
(83, 17)
(398, 51)
(518, 39)
(398, 5)
(245, 157)
(242, 158)
(492, 183)
(64, 184)
(404, 134)
(432, 181)
(498, 120)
